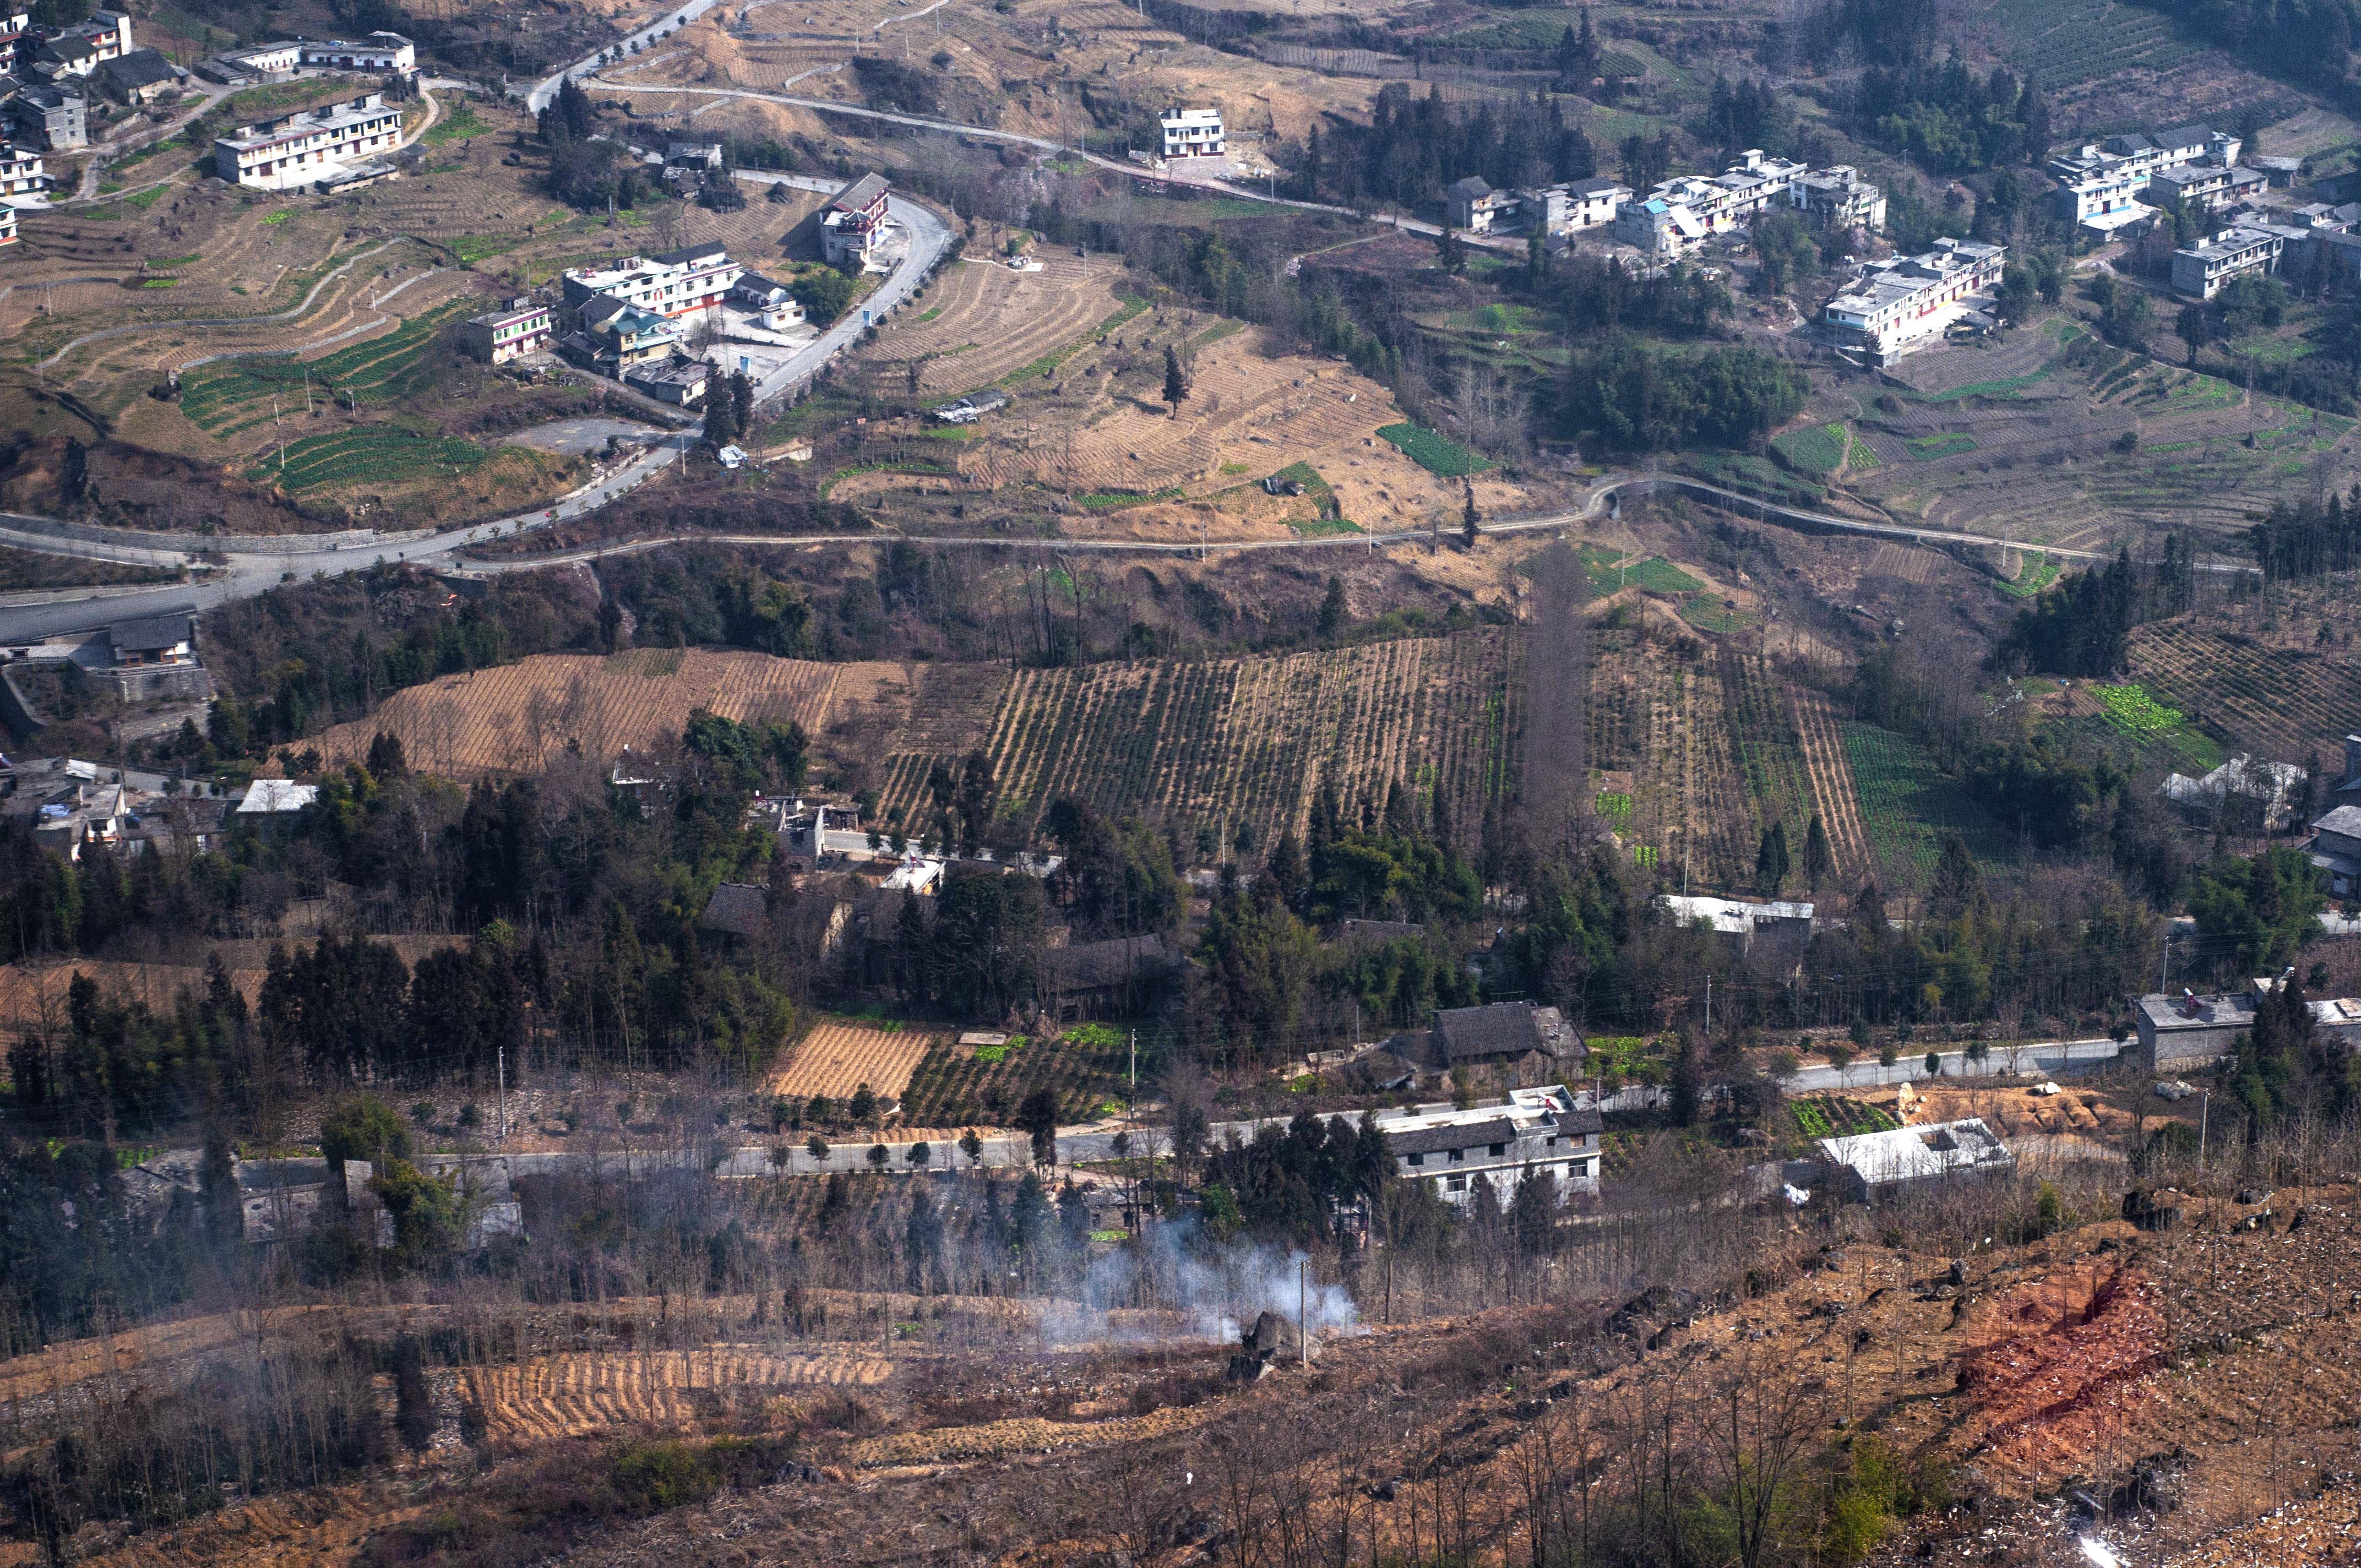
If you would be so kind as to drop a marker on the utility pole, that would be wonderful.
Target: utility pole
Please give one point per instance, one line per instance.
(1302, 1319)
(2204, 1119)
(2164, 973)
(502, 1058)
(1708, 1006)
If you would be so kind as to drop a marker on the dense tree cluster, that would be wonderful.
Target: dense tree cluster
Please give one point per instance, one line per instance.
(1948, 120)
(2304, 539)
(1629, 397)
(1413, 147)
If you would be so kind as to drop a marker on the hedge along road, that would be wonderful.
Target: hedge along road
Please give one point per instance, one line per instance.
(248, 574)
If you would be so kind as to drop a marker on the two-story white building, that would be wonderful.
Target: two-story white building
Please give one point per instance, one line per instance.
(1899, 304)
(1537, 1132)
(671, 283)
(2203, 269)
(499, 337)
(20, 172)
(297, 149)
(1191, 133)
(1681, 214)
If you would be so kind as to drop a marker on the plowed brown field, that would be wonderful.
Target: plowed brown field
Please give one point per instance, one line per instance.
(514, 719)
(838, 1056)
(565, 1396)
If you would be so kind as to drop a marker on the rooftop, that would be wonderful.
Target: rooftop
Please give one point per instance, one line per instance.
(2167, 1015)
(272, 796)
(1500, 1029)
(857, 196)
(157, 632)
(2344, 819)
(1917, 1154)
(1732, 916)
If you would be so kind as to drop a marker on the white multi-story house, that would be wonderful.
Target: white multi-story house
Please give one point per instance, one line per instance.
(7, 225)
(1191, 133)
(1685, 210)
(2202, 268)
(1895, 305)
(20, 172)
(80, 48)
(296, 149)
(2206, 187)
(1538, 1132)
(671, 283)
(2101, 183)
(381, 52)
(499, 337)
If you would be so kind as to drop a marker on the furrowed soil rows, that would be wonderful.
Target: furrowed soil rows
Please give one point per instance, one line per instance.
(565, 1396)
(1250, 740)
(840, 1054)
(1833, 789)
(514, 719)
(2284, 703)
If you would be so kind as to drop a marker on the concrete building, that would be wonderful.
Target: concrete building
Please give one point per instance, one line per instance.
(2201, 270)
(1838, 198)
(260, 63)
(7, 225)
(672, 283)
(2206, 187)
(773, 304)
(1871, 1165)
(52, 117)
(2335, 849)
(1683, 213)
(80, 48)
(383, 52)
(295, 151)
(1191, 133)
(499, 337)
(2177, 1033)
(1537, 1132)
(2245, 794)
(20, 172)
(268, 798)
(2101, 183)
(16, 40)
(854, 221)
(680, 382)
(694, 154)
(2347, 791)
(1904, 303)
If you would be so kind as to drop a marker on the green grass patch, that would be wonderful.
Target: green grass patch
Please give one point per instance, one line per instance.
(1908, 805)
(471, 248)
(1946, 445)
(458, 122)
(1226, 327)
(1615, 806)
(1116, 501)
(1712, 615)
(1818, 450)
(160, 282)
(1325, 527)
(1435, 454)
(1840, 1118)
(188, 261)
(378, 453)
(380, 370)
(2008, 386)
(896, 465)
(1859, 455)
(930, 312)
(273, 219)
(2034, 574)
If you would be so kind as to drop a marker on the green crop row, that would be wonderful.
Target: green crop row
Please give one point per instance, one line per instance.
(1435, 454)
(1116, 501)
(2036, 574)
(1908, 805)
(1940, 445)
(374, 453)
(1818, 450)
(2130, 709)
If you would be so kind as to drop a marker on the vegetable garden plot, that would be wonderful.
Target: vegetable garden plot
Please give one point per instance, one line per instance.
(566, 1395)
(956, 1087)
(1841, 1118)
(839, 1055)
(1908, 805)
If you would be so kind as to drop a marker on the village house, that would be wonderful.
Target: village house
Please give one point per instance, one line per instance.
(140, 77)
(20, 172)
(498, 337)
(1515, 1043)
(773, 304)
(2335, 849)
(383, 52)
(854, 220)
(672, 283)
(1478, 208)
(259, 62)
(1870, 1165)
(1774, 932)
(1838, 198)
(7, 225)
(1681, 214)
(2101, 184)
(2201, 270)
(1190, 133)
(295, 151)
(1537, 1132)
(1907, 302)
(51, 116)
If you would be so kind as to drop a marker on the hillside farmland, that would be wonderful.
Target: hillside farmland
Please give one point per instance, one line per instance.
(514, 719)
(1219, 741)
(840, 1054)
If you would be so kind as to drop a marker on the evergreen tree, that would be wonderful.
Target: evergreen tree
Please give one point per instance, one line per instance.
(1333, 609)
(1176, 386)
(1468, 518)
(1819, 862)
(1958, 881)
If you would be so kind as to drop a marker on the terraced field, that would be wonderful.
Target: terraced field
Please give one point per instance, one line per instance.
(569, 1395)
(994, 322)
(514, 719)
(1222, 742)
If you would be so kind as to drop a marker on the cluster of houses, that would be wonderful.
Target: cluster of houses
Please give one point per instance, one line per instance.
(1678, 215)
(46, 74)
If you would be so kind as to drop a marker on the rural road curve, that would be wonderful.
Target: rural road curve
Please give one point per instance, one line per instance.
(248, 574)
(1047, 144)
(544, 91)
